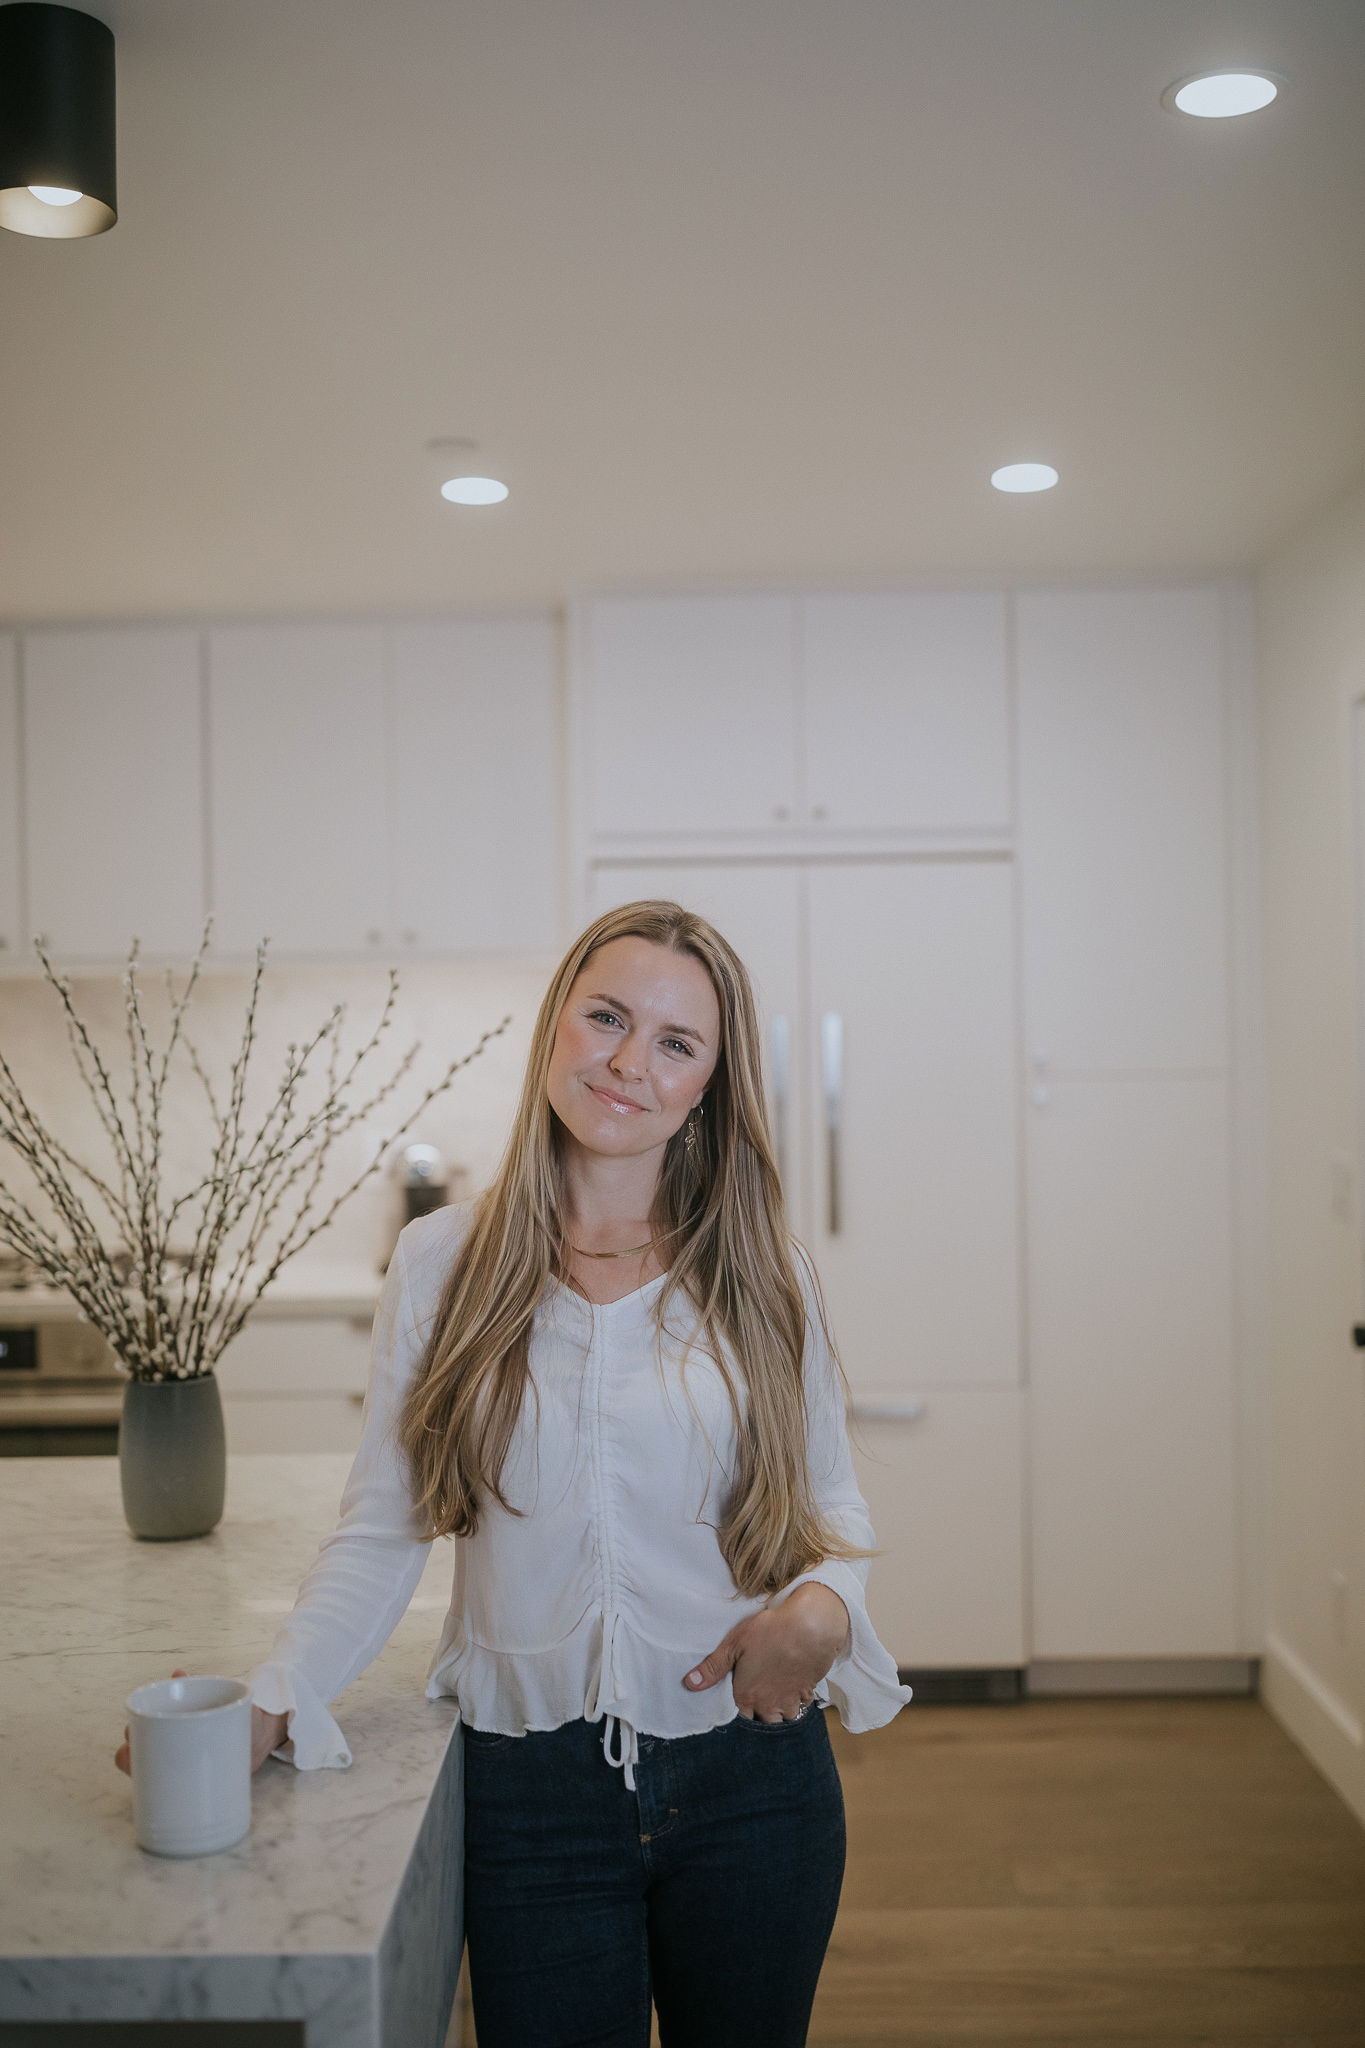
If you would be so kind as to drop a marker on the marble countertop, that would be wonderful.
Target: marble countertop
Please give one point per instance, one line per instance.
(341, 1907)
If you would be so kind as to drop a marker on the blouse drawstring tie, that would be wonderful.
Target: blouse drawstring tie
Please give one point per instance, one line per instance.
(620, 1743)
(627, 1746)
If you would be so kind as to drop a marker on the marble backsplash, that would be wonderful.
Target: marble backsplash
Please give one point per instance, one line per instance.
(444, 1005)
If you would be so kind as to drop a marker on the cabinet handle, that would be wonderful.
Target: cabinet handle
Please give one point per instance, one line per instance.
(886, 1411)
(781, 1042)
(832, 1074)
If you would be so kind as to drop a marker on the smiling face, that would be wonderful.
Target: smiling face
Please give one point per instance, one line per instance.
(636, 1044)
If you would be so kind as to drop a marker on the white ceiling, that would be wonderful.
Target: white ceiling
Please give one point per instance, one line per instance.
(728, 290)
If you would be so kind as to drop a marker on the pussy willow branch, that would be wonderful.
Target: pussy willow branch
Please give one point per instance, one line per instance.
(24, 1131)
(235, 1314)
(253, 1208)
(93, 1072)
(305, 1158)
(93, 1288)
(29, 1137)
(252, 1169)
(230, 1117)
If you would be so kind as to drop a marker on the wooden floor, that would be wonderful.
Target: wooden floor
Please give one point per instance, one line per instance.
(1089, 1872)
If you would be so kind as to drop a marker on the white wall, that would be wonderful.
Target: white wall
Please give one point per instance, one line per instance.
(1311, 657)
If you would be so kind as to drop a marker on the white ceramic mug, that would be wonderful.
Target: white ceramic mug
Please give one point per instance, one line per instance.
(190, 1740)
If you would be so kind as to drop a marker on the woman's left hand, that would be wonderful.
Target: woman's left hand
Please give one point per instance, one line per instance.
(778, 1656)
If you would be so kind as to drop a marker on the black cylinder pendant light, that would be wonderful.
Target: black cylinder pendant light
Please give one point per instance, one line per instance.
(56, 122)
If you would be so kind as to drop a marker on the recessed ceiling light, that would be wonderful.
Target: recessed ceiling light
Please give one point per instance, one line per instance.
(474, 490)
(1218, 95)
(55, 195)
(1024, 476)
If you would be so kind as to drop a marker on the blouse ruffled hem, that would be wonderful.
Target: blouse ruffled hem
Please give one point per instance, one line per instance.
(314, 1741)
(602, 1668)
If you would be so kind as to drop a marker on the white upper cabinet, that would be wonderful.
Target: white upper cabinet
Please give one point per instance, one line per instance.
(1121, 829)
(906, 711)
(689, 723)
(386, 788)
(114, 789)
(796, 720)
(10, 912)
(474, 725)
(297, 748)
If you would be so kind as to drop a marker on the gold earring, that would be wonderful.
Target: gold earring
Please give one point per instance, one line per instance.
(690, 1132)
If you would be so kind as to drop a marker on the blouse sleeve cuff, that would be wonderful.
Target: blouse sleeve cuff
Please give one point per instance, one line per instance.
(862, 1681)
(314, 1742)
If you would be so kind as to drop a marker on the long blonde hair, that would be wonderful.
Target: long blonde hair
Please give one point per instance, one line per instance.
(719, 1200)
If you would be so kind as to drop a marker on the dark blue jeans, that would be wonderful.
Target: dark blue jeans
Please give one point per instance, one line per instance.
(711, 1888)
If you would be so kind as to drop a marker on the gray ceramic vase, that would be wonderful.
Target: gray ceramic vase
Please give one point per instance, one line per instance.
(172, 1456)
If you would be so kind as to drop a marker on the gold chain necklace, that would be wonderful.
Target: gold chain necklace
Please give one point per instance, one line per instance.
(633, 1252)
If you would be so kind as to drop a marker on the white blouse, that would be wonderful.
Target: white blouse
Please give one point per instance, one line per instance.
(610, 1586)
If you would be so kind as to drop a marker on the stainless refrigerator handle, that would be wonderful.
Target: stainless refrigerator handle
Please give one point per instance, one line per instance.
(781, 1043)
(832, 1075)
(885, 1411)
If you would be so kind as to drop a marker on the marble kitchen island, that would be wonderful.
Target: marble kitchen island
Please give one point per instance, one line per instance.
(338, 1918)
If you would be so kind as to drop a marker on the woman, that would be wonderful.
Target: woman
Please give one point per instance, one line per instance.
(610, 1380)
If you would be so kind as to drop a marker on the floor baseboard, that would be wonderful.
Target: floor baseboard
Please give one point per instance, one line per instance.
(978, 1688)
(1325, 1730)
(1081, 1677)
(1052, 1678)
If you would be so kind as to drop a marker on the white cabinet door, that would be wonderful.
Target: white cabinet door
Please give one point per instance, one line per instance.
(1130, 1348)
(1121, 828)
(689, 715)
(297, 754)
(296, 1356)
(114, 775)
(295, 1383)
(282, 1422)
(758, 910)
(945, 1492)
(913, 963)
(474, 724)
(10, 912)
(907, 711)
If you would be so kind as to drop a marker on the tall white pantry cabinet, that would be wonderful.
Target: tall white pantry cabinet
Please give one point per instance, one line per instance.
(975, 846)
